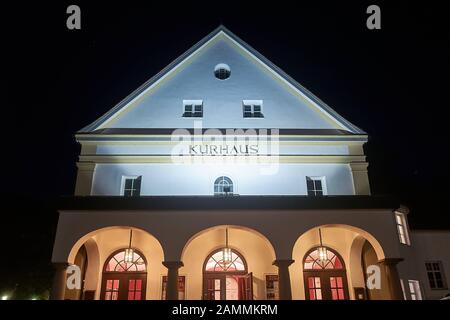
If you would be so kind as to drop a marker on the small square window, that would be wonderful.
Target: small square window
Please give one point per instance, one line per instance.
(131, 186)
(252, 109)
(193, 108)
(315, 186)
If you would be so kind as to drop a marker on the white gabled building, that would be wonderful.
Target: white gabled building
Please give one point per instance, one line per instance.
(223, 178)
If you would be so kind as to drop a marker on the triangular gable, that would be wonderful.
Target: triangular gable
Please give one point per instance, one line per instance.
(221, 33)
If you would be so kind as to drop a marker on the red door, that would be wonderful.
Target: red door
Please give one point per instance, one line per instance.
(123, 287)
(214, 288)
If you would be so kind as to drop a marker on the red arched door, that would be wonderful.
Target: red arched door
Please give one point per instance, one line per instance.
(122, 280)
(226, 281)
(324, 279)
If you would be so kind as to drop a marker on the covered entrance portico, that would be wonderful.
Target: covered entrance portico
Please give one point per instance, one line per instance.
(183, 248)
(231, 270)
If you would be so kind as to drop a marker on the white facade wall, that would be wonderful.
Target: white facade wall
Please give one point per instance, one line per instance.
(222, 99)
(198, 179)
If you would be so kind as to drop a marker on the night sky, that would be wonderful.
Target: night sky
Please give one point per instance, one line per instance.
(392, 83)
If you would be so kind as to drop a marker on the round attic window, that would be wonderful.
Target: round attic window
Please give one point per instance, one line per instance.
(222, 71)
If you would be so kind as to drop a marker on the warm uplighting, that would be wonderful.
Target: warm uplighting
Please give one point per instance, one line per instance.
(5, 297)
(129, 251)
(128, 255)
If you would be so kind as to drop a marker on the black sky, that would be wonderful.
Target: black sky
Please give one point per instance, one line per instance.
(393, 83)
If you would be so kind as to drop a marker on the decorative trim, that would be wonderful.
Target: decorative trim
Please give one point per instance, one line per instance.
(214, 159)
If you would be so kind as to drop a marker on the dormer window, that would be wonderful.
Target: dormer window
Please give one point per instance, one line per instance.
(252, 108)
(193, 108)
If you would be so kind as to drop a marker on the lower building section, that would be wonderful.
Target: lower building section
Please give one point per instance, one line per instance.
(233, 254)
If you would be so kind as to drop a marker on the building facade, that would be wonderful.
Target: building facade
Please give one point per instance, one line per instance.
(223, 178)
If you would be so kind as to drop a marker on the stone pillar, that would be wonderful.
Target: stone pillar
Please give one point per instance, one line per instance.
(172, 279)
(284, 279)
(392, 277)
(59, 281)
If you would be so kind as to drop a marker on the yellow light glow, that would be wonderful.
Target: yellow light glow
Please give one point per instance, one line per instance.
(128, 255)
(226, 253)
(323, 254)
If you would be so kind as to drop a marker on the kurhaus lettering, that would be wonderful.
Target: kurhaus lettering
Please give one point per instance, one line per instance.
(219, 150)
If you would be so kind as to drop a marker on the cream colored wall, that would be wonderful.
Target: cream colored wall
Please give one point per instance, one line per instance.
(92, 273)
(85, 174)
(111, 240)
(360, 178)
(337, 238)
(256, 250)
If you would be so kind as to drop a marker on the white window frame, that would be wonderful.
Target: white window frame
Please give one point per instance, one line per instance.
(402, 228)
(252, 104)
(415, 290)
(193, 103)
(122, 184)
(322, 179)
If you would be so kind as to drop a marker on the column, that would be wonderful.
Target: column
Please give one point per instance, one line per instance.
(284, 279)
(172, 278)
(85, 175)
(59, 281)
(392, 277)
(360, 178)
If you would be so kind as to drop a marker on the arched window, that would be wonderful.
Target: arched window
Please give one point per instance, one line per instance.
(117, 263)
(324, 279)
(223, 186)
(226, 281)
(216, 263)
(122, 280)
(312, 261)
